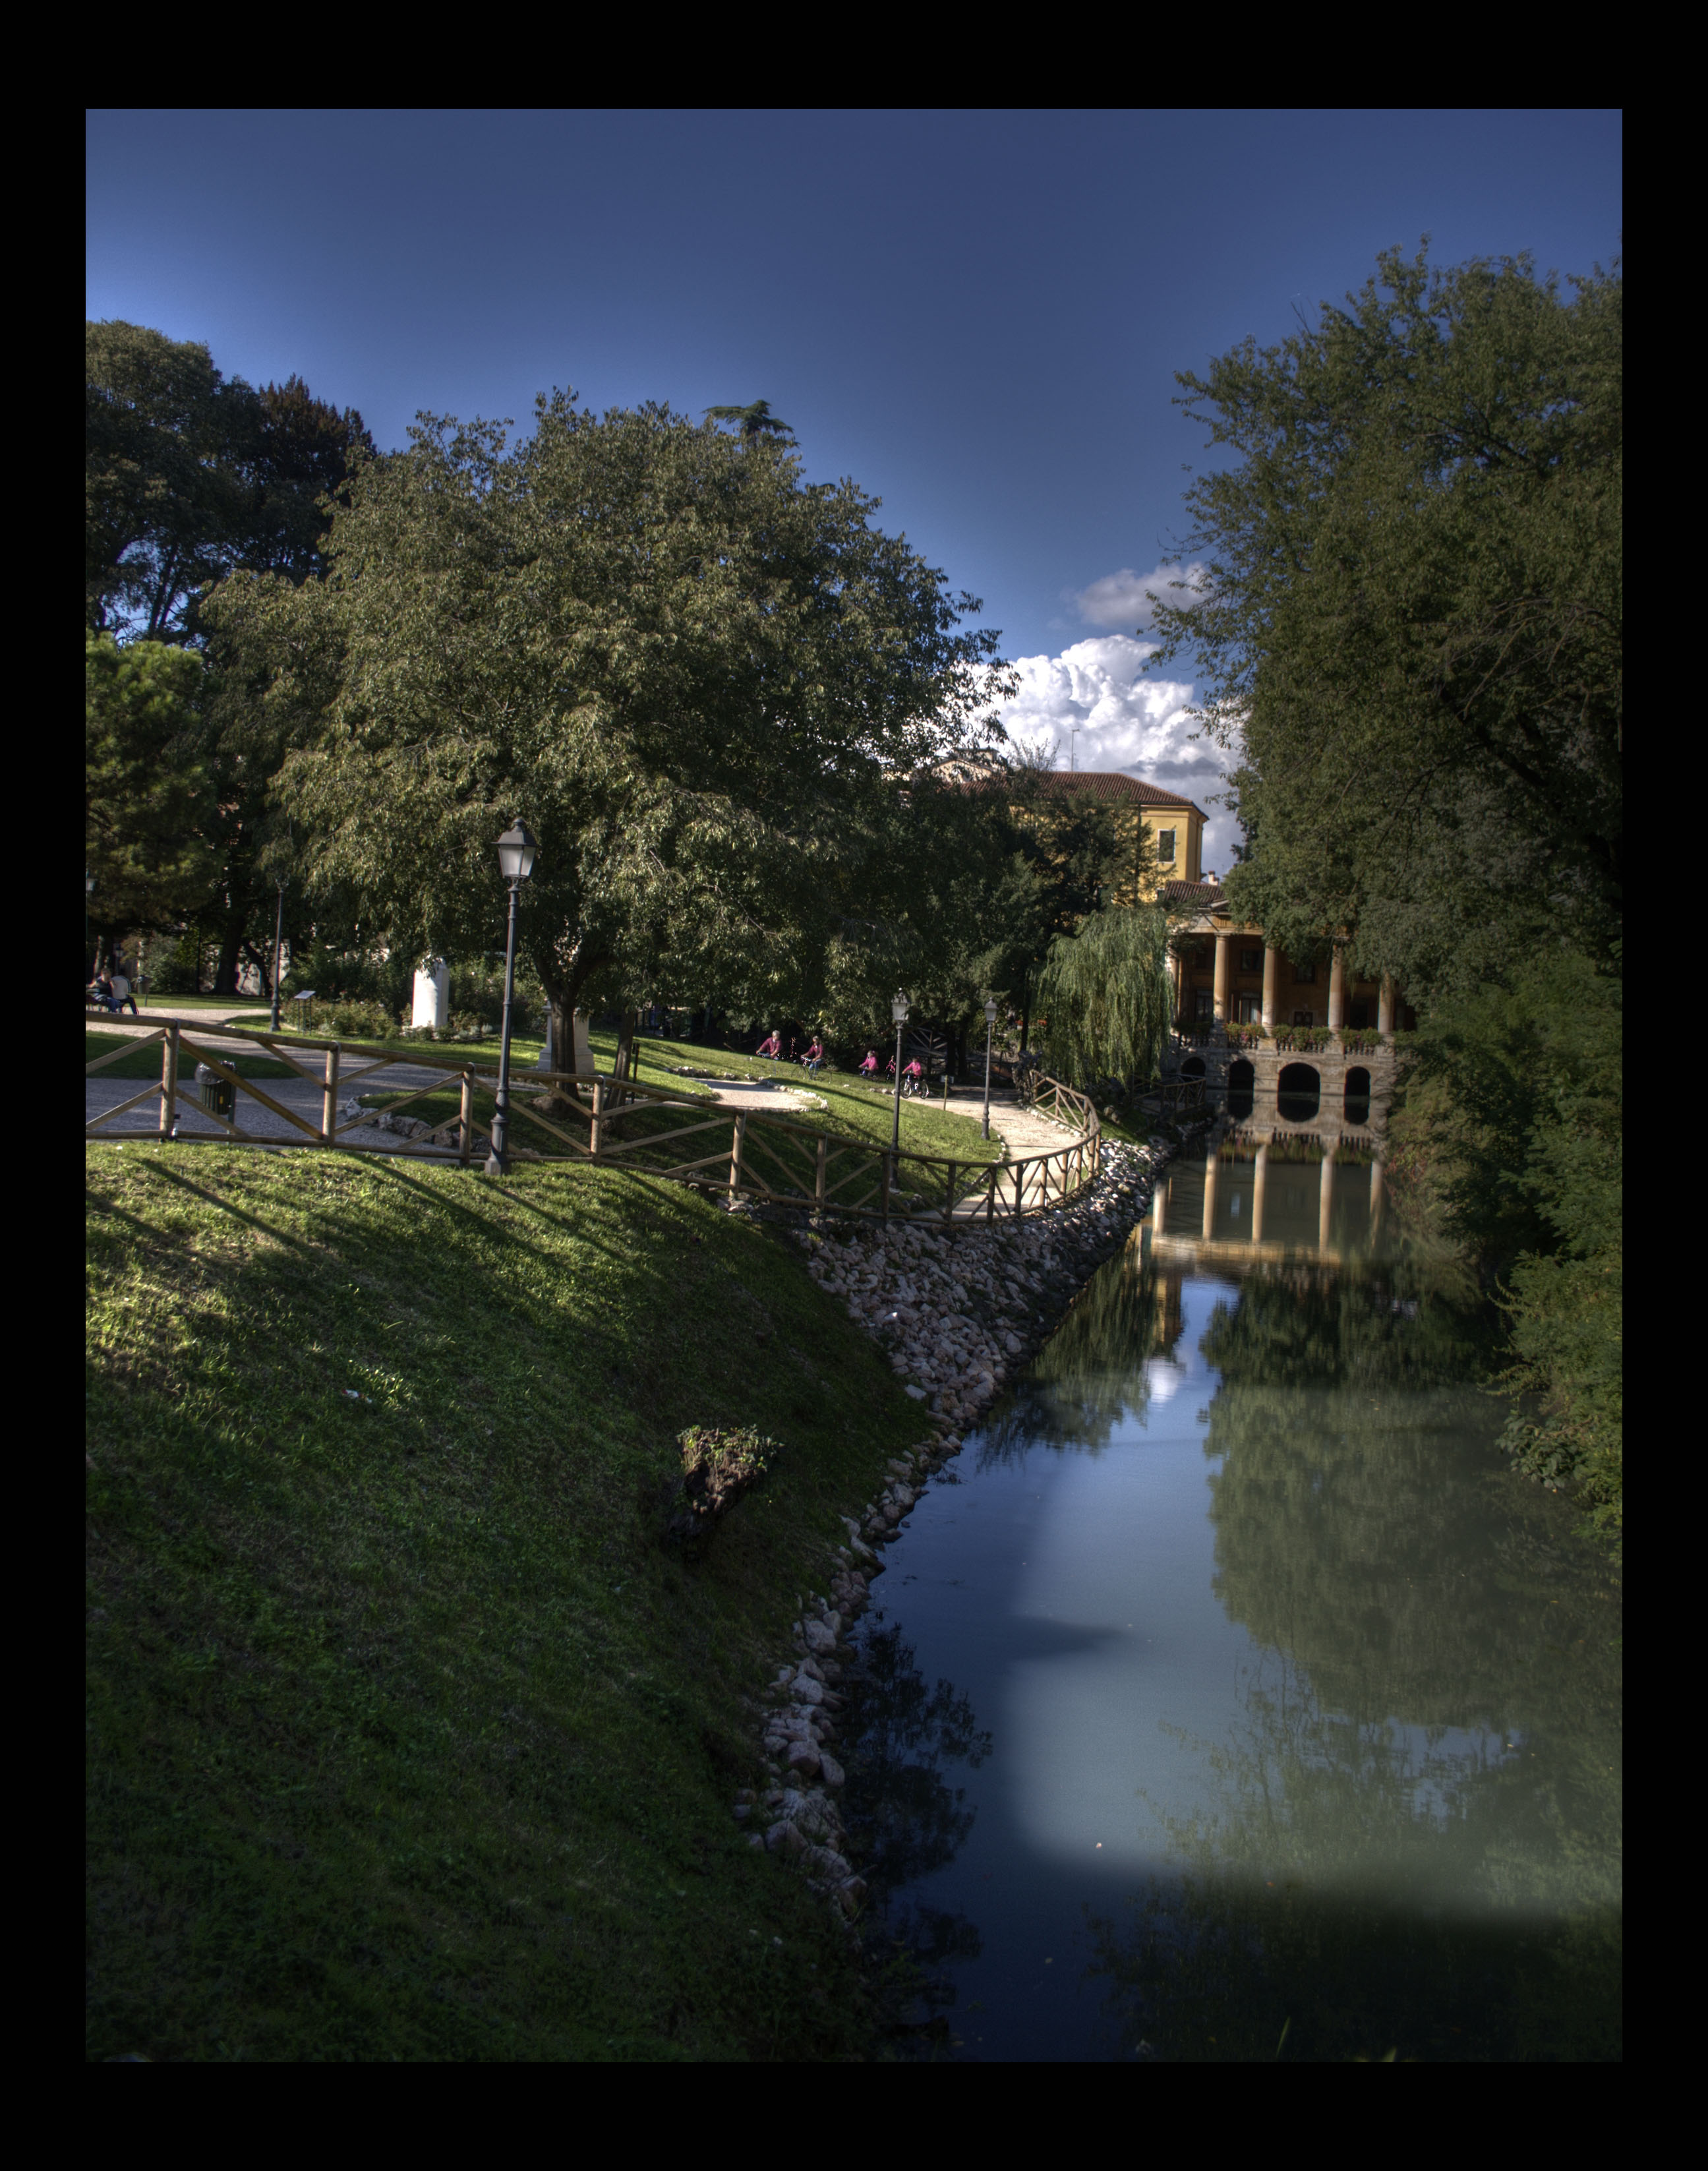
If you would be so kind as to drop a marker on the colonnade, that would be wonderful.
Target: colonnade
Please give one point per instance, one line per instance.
(1337, 987)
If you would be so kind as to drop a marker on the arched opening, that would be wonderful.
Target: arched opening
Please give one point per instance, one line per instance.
(1357, 1095)
(1193, 1067)
(1298, 1093)
(1242, 1085)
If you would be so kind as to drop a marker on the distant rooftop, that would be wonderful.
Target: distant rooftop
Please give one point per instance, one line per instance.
(1113, 784)
(1186, 892)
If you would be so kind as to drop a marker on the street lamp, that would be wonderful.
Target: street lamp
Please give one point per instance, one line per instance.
(989, 1028)
(515, 851)
(898, 1011)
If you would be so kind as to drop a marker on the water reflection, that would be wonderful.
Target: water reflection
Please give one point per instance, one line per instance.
(1305, 1711)
(903, 1816)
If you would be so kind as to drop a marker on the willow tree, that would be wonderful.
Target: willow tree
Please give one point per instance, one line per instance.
(1104, 1000)
(694, 675)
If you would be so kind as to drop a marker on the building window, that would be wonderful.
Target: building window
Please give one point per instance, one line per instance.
(1203, 1003)
(1250, 1009)
(1305, 975)
(1361, 1013)
(1251, 961)
(1302, 1017)
(1165, 848)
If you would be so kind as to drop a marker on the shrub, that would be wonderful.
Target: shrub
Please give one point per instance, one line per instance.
(718, 1467)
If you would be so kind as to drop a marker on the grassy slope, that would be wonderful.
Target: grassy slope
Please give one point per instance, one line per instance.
(408, 1737)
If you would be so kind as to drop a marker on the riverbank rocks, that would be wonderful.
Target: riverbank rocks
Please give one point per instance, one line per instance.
(959, 1310)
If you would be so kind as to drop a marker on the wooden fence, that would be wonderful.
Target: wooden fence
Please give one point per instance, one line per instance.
(622, 1124)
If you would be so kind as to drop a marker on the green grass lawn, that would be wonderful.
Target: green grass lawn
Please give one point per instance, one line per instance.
(145, 1061)
(409, 1737)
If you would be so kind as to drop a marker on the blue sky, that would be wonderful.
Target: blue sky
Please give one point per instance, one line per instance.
(977, 316)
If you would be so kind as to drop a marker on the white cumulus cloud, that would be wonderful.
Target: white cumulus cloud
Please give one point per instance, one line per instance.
(1120, 601)
(1092, 708)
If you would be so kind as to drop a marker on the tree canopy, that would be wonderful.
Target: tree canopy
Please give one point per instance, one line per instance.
(703, 683)
(1408, 632)
(147, 798)
(188, 474)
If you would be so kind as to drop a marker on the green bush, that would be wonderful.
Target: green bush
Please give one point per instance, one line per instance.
(171, 964)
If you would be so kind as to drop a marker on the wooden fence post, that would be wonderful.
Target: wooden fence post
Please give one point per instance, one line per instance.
(168, 1082)
(818, 1179)
(737, 1140)
(465, 1121)
(1020, 1189)
(949, 1195)
(990, 1194)
(888, 1178)
(328, 1103)
(594, 1126)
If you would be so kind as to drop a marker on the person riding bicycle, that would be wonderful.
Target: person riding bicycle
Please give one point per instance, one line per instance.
(913, 1077)
(773, 1047)
(869, 1069)
(813, 1056)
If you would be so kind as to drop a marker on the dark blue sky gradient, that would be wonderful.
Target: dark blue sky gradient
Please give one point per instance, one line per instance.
(977, 316)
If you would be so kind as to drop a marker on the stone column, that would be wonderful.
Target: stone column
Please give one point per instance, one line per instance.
(1259, 1183)
(1337, 990)
(1223, 943)
(1326, 1203)
(431, 1003)
(1158, 1207)
(1210, 1196)
(1385, 1008)
(1272, 971)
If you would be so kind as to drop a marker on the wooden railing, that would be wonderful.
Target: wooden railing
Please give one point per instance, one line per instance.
(647, 1129)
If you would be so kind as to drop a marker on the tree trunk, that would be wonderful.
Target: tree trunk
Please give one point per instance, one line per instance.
(625, 1049)
(231, 943)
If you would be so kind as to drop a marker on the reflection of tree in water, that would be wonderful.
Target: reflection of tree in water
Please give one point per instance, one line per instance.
(902, 1814)
(1366, 1527)
(1372, 1887)
(1413, 1840)
(1220, 1969)
(1089, 1377)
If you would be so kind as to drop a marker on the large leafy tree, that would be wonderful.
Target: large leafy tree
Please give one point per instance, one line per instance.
(1105, 996)
(1409, 628)
(188, 474)
(148, 799)
(701, 682)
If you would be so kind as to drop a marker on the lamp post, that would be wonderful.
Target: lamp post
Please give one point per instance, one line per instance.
(278, 950)
(515, 851)
(88, 885)
(989, 1028)
(898, 1011)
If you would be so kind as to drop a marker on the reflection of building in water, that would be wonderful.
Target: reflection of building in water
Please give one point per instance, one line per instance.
(1268, 1202)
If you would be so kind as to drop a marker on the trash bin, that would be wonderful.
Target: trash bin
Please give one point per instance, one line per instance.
(218, 1094)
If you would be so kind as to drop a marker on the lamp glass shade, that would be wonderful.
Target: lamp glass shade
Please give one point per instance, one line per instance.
(898, 1009)
(516, 849)
(990, 1013)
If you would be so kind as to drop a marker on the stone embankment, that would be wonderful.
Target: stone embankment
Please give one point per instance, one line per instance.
(960, 1311)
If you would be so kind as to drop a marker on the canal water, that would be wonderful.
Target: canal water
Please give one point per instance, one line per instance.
(1230, 1699)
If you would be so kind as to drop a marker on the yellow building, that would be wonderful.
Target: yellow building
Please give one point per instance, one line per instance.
(1173, 826)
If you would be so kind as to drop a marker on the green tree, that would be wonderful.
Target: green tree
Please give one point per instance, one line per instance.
(148, 797)
(188, 474)
(1105, 996)
(1408, 632)
(702, 682)
(754, 423)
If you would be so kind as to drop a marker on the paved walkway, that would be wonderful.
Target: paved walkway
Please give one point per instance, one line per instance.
(1021, 1131)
